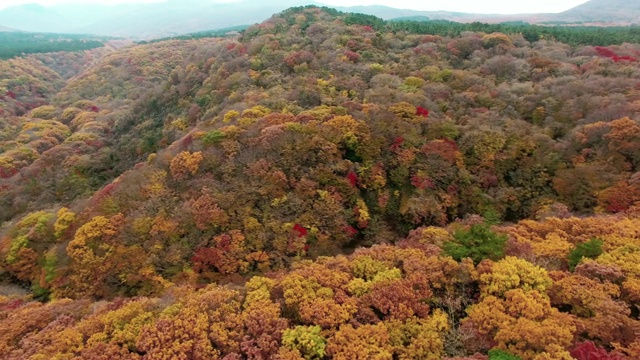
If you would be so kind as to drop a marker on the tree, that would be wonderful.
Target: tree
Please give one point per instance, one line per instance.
(590, 250)
(497, 354)
(588, 350)
(364, 342)
(307, 340)
(417, 338)
(477, 243)
(210, 319)
(227, 254)
(265, 330)
(90, 250)
(523, 323)
(185, 164)
(513, 273)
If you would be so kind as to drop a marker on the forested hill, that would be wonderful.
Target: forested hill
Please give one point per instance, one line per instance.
(17, 43)
(323, 186)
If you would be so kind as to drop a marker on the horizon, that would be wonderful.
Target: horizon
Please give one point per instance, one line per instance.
(466, 6)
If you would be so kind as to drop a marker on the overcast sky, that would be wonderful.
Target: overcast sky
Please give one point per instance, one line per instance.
(472, 6)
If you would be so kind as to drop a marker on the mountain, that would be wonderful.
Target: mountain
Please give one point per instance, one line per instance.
(324, 186)
(175, 18)
(57, 19)
(33, 17)
(170, 18)
(140, 20)
(387, 13)
(614, 11)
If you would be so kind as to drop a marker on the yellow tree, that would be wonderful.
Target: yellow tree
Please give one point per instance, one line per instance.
(90, 250)
(514, 273)
(523, 323)
(185, 164)
(367, 342)
(204, 325)
(417, 338)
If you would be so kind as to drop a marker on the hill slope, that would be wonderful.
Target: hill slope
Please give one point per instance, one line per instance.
(349, 180)
(337, 132)
(613, 11)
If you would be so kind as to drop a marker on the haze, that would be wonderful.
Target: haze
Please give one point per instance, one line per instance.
(468, 6)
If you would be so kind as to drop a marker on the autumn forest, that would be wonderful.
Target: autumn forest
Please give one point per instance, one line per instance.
(324, 186)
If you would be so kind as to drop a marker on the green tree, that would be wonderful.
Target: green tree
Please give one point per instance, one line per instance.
(590, 249)
(497, 354)
(308, 340)
(477, 243)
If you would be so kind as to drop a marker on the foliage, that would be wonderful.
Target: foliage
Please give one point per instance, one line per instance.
(573, 35)
(312, 188)
(307, 340)
(477, 243)
(514, 273)
(185, 164)
(590, 250)
(21, 43)
(497, 354)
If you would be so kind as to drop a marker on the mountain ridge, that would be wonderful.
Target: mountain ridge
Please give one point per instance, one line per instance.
(621, 11)
(156, 20)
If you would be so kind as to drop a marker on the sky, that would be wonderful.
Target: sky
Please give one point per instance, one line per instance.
(470, 6)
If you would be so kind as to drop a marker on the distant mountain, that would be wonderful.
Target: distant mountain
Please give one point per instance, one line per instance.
(387, 13)
(154, 20)
(4, 28)
(179, 17)
(176, 17)
(56, 19)
(617, 11)
(598, 11)
(33, 17)
(412, 18)
(171, 18)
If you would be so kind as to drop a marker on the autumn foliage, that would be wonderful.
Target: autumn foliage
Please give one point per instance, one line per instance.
(318, 187)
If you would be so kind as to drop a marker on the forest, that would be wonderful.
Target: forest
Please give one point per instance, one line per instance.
(324, 186)
(229, 31)
(16, 43)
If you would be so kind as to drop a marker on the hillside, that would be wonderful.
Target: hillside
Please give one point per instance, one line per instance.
(325, 185)
(611, 11)
(18, 43)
